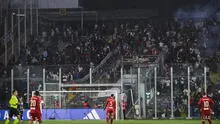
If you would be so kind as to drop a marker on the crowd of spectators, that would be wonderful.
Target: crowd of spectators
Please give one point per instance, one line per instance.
(61, 44)
(65, 45)
(186, 49)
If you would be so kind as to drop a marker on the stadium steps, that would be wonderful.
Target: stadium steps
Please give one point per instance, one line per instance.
(103, 66)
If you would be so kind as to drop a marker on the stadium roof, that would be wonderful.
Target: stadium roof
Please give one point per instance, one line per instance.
(136, 4)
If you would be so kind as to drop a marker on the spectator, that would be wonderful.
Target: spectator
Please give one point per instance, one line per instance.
(86, 104)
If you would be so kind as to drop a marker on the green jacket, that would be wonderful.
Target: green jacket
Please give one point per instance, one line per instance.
(13, 102)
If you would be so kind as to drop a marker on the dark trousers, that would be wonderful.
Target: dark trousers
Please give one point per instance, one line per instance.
(13, 111)
(124, 113)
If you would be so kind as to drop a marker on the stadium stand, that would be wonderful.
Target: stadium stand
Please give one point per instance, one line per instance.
(66, 46)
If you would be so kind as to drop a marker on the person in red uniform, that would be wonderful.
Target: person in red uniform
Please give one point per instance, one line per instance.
(110, 107)
(35, 108)
(206, 104)
(86, 104)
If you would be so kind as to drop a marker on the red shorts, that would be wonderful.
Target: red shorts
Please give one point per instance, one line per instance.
(110, 112)
(205, 114)
(36, 116)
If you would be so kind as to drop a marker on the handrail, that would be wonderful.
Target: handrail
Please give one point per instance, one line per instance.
(110, 54)
(132, 107)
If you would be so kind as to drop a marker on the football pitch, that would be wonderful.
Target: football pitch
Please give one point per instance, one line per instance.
(127, 122)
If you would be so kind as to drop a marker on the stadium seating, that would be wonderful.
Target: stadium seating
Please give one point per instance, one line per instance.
(77, 51)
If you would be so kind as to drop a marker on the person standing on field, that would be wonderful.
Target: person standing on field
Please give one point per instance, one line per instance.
(206, 105)
(110, 107)
(124, 104)
(35, 108)
(21, 109)
(13, 108)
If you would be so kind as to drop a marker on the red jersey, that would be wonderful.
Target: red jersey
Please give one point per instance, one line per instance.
(85, 105)
(35, 106)
(110, 103)
(124, 105)
(206, 104)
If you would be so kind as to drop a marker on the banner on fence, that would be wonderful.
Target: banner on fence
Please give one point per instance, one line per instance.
(63, 114)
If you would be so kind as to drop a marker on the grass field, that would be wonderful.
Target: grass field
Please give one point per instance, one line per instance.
(128, 122)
